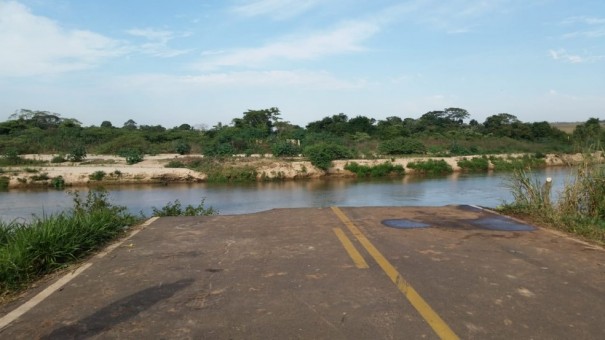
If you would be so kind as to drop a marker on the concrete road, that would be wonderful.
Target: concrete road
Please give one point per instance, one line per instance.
(333, 273)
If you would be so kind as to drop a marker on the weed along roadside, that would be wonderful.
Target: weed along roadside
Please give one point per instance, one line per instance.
(578, 209)
(28, 251)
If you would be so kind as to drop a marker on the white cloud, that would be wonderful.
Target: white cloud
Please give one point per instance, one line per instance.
(345, 39)
(276, 78)
(278, 9)
(158, 40)
(34, 45)
(591, 27)
(563, 55)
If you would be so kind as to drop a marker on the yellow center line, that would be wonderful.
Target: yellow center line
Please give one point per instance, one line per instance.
(423, 308)
(350, 248)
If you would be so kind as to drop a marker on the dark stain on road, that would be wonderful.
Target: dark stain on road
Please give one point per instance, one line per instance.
(119, 311)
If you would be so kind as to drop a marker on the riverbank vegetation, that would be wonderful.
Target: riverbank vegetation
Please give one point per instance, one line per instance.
(30, 250)
(448, 132)
(579, 208)
(444, 133)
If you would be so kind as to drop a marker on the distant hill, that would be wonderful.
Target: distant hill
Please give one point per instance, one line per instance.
(568, 127)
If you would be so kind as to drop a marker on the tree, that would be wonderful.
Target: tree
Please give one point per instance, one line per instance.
(130, 125)
(500, 124)
(589, 134)
(107, 124)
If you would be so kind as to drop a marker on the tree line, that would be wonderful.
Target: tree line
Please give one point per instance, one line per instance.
(451, 131)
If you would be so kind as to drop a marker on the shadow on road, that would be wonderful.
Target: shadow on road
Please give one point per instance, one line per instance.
(119, 311)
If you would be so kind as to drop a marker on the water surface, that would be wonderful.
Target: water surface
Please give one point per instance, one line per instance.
(474, 189)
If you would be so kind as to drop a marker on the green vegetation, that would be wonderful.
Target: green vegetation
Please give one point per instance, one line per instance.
(379, 170)
(431, 167)
(58, 182)
(176, 209)
(446, 132)
(97, 175)
(30, 250)
(579, 208)
(4, 181)
(516, 163)
(474, 164)
(322, 155)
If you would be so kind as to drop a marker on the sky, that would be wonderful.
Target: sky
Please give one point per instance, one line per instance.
(202, 62)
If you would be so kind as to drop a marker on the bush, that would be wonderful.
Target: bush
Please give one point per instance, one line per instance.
(322, 155)
(97, 175)
(431, 167)
(58, 159)
(182, 147)
(176, 209)
(402, 146)
(77, 154)
(58, 182)
(4, 182)
(379, 170)
(512, 163)
(474, 164)
(132, 156)
(285, 149)
(175, 164)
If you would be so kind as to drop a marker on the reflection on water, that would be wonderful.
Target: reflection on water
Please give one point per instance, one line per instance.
(459, 188)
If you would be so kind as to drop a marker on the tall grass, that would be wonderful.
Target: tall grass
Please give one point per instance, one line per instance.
(30, 250)
(379, 170)
(579, 207)
(431, 167)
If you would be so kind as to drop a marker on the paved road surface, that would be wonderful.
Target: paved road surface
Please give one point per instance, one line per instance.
(331, 273)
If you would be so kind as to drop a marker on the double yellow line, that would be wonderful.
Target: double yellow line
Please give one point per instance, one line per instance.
(423, 308)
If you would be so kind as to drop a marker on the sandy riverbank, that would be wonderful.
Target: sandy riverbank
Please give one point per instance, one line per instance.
(152, 169)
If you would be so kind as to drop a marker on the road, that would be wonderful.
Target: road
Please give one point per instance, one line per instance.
(326, 273)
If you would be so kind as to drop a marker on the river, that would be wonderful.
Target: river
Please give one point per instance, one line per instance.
(459, 188)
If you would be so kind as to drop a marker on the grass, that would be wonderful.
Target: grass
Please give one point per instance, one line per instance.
(31, 250)
(579, 208)
(217, 170)
(176, 209)
(380, 170)
(516, 163)
(431, 167)
(474, 164)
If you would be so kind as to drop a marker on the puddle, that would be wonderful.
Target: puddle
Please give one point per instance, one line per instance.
(405, 224)
(501, 223)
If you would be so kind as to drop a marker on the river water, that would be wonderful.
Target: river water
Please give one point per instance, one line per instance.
(477, 189)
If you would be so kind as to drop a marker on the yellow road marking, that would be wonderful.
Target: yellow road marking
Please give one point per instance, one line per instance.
(350, 248)
(423, 308)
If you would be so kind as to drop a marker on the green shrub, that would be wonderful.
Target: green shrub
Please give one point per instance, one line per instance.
(31, 170)
(474, 164)
(402, 146)
(181, 147)
(176, 209)
(379, 170)
(431, 167)
(58, 182)
(516, 163)
(58, 159)
(77, 154)
(132, 156)
(40, 177)
(321, 155)
(223, 174)
(175, 164)
(4, 182)
(285, 149)
(97, 175)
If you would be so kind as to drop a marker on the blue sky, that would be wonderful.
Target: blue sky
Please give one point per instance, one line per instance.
(202, 62)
